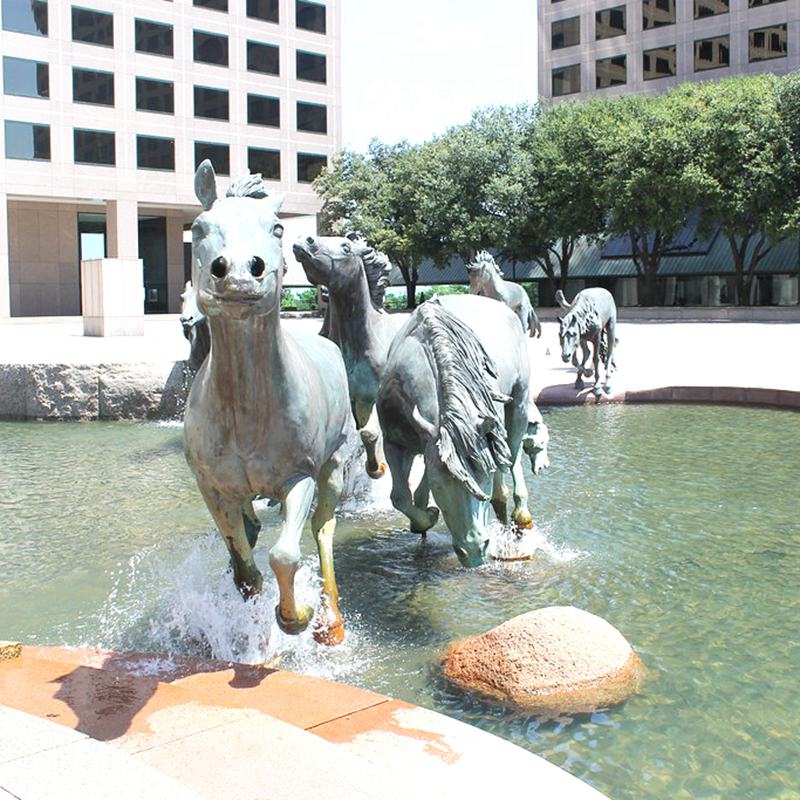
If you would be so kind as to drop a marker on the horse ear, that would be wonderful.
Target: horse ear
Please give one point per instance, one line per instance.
(276, 201)
(205, 185)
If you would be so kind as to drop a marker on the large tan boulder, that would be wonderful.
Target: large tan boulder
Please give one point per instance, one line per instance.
(548, 662)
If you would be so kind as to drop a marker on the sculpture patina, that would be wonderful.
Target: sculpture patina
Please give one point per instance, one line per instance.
(195, 327)
(268, 412)
(455, 389)
(590, 319)
(486, 280)
(356, 277)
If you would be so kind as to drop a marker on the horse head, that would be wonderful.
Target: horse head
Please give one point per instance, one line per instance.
(237, 264)
(569, 336)
(478, 271)
(195, 326)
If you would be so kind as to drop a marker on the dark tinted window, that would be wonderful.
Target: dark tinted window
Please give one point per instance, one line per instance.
(712, 53)
(217, 5)
(610, 72)
(768, 43)
(94, 147)
(609, 22)
(756, 3)
(218, 154)
(310, 16)
(152, 95)
(659, 62)
(263, 110)
(709, 8)
(211, 103)
(311, 67)
(93, 27)
(263, 9)
(657, 13)
(566, 80)
(89, 86)
(153, 152)
(309, 166)
(153, 37)
(25, 16)
(211, 48)
(265, 162)
(263, 58)
(25, 78)
(565, 33)
(28, 141)
(312, 117)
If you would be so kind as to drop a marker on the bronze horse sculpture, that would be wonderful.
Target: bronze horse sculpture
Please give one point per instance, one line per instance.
(486, 280)
(455, 389)
(356, 276)
(591, 318)
(195, 327)
(268, 413)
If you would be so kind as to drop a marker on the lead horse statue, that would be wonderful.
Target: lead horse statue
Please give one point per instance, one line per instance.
(455, 389)
(268, 412)
(356, 277)
(591, 318)
(486, 280)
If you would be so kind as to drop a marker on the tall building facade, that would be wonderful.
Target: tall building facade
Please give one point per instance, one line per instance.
(109, 106)
(599, 47)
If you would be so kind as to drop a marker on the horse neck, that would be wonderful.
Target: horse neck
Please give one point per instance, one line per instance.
(355, 316)
(493, 282)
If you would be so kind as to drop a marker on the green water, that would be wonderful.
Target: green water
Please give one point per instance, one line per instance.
(678, 524)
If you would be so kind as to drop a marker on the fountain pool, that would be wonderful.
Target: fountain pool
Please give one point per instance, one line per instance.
(677, 524)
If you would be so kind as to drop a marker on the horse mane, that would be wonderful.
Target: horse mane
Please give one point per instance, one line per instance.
(472, 435)
(248, 185)
(485, 259)
(584, 313)
(376, 267)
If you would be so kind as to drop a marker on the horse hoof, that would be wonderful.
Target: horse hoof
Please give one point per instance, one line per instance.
(597, 391)
(607, 387)
(523, 520)
(249, 589)
(377, 473)
(330, 635)
(295, 626)
(433, 518)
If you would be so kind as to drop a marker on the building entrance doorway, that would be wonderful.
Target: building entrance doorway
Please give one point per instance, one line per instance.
(153, 252)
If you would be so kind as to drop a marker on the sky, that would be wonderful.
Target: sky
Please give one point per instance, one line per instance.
(413, 68)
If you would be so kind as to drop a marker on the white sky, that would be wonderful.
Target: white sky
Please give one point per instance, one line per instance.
(412, 68)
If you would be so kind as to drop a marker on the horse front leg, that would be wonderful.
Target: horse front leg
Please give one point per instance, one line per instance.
(366, 416)
(400, 461)
(500, 497)
(239, 528)
(285, 556)
(521, 516)
(330, 625)
(582, 365)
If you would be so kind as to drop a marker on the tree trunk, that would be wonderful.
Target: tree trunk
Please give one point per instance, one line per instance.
(411, 293)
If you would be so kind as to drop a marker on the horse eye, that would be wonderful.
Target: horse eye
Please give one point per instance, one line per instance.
(277, 231)
(346, 247)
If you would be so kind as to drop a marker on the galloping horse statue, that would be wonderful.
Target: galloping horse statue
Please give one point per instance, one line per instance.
(268, 412)
(590, 319)
(455, 389)
(486, 280)
(356, 277)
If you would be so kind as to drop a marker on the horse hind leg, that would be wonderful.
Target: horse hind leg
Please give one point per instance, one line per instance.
(252, 524)
(372, 440)
(330, 625)
(611, 364)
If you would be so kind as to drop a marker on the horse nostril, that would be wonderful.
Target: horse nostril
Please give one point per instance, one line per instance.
(256, 266)
(219, 267)
(310, 240)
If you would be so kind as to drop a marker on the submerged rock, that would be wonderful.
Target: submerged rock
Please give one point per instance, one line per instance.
(553, 661)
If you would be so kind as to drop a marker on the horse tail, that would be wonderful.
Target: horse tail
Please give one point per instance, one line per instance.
(468, 390)
(562, 301)
(534, 326)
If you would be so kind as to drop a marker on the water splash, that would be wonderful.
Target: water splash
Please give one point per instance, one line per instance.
(507, 544)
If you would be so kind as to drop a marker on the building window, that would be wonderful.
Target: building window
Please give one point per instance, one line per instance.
(153, 152)
(309, 166)
(265, 162)
(266, 10)
(92, 27)
(25, 16)
(27, 141)
(609, 22)
(210, 48)
(657, 13)
(94, 147)
(217, 5)
(153, 95)
(153, 37)
(310, 16)
(566, 80)
(766, 43)
(659, 62)
(210, 103)
(218, 154)
(263, 58)
(757, 3)
(311, 67)
(610, 72)
(710, 8)
(565, 33)
(93, 87)
(712, 53)
(26, 78)
(312, 117)
(263, 110)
